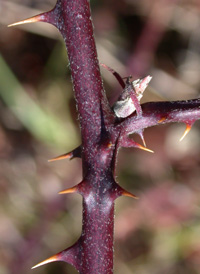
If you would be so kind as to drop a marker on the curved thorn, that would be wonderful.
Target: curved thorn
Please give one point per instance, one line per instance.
(70, 155)
(69, 190)
(162, 120)
(61, 157)
(128, 194)
(127, 142)
(144, 148)
(188, 128)
(140, 133)
(51, 259)
(37, 18)
(144, 143)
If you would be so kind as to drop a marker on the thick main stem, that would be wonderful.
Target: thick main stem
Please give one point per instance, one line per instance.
(99, 191)
(97, 236)
(73, 19)
(96, 242)
(95, 246)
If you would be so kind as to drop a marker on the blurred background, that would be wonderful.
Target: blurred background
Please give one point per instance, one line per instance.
(160, 232)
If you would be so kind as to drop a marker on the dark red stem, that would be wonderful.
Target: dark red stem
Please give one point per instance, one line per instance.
(156, 113)
(102, 134)
(73, 19)
(94, 250)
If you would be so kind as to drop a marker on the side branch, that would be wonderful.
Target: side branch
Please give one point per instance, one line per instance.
(156, 113)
